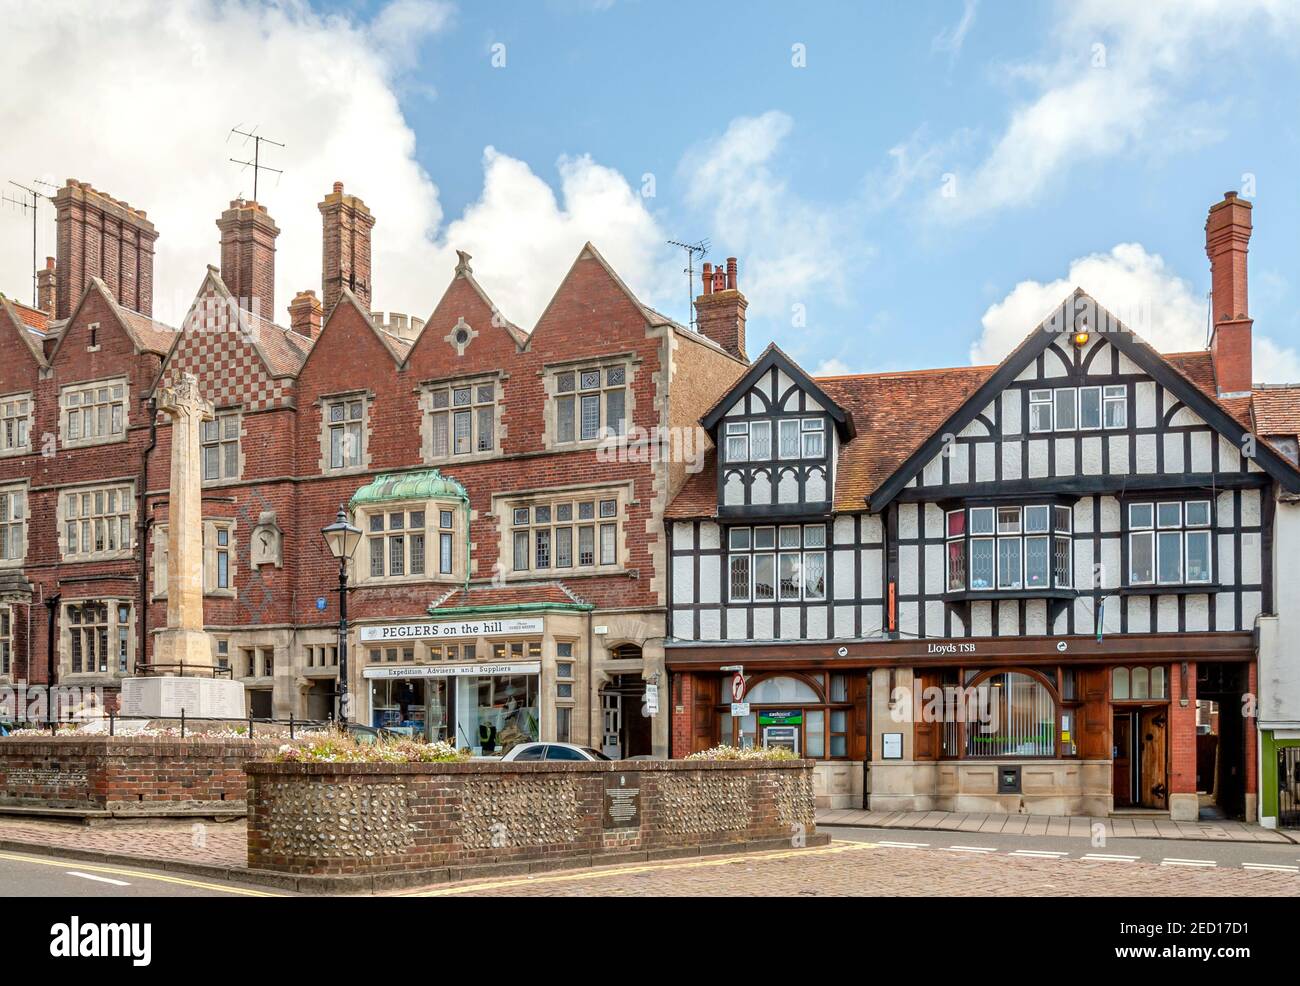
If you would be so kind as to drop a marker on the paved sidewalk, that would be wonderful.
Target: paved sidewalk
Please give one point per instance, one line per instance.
(1122, 827)
(206, 843)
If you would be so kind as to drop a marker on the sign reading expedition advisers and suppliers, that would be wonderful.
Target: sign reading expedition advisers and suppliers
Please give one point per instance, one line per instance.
(439, 631)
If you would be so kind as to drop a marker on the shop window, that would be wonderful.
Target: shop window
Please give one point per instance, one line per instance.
(791, 711)
(1169, 543)
(1139, 684)
(565, 535)
(1009, 548)
(1015, 717)
(97, 522)
(13, 526)
(16, 424)
(590, 403)
(462, 418)
(765, 563)
(220, 447)
(92, 414)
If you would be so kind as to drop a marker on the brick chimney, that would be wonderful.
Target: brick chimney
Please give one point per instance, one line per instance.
(248, 256)
(720, 309)
(305, 314)
(98, 236)
(1227, 232)
(345, 248)
(45, 287)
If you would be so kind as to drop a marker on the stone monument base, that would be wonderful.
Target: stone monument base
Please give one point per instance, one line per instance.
(199, 698)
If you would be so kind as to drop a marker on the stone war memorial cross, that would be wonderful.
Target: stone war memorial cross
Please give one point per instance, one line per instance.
(182, 653)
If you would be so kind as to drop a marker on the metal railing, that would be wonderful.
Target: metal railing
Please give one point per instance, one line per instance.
(195, 670)
(186, 722)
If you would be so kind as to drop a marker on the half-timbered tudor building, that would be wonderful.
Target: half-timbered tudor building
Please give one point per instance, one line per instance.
(510, 485)
(1006, 588)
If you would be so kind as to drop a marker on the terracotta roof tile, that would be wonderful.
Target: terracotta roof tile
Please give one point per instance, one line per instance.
(150, 334)
(1276, 410)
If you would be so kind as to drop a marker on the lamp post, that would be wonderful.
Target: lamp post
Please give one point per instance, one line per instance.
(342, 539)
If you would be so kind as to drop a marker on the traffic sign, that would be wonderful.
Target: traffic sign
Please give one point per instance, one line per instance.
(738, 686)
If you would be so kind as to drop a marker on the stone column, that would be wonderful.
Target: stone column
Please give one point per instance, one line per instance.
(184, 640)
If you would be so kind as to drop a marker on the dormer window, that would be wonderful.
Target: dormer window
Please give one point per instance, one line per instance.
(1010, 548)
(749, 441)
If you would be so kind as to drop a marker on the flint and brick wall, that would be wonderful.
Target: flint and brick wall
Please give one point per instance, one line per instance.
(347, 819)
(145, 775)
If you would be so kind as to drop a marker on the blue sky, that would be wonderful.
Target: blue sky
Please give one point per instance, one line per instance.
(1080, 142)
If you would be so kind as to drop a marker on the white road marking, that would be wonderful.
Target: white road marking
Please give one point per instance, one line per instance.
(1271, 866)
(1188, 862)
(1110, 858)
(982, 849)
(904, 845)
(98, 879)
(1039, 853)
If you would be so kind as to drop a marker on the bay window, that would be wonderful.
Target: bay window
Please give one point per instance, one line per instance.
(1169, 543)
(767, 563)
(1009, 548)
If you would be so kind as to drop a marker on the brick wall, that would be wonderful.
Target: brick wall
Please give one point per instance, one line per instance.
(1182, 732)
(141, 774)
(339, 819)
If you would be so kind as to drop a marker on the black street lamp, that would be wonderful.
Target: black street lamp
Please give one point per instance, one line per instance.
(342, 539)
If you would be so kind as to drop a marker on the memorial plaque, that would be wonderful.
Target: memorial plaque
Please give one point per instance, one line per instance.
(623, 803)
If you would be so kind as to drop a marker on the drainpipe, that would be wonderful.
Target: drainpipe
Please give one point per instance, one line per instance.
(591, 681)
(143, 525)
(52, 604)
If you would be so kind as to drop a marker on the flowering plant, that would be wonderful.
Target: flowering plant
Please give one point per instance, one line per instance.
(751, 753)
(335, 749)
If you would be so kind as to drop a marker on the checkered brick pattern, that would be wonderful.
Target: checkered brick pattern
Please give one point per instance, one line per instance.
(216, 349)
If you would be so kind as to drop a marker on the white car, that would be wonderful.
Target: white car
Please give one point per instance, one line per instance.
(532, 752)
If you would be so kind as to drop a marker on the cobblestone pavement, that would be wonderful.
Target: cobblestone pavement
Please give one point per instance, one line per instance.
(217, 843)
(861, 869)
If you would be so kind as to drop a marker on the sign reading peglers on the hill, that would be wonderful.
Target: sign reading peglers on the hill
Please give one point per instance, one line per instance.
(437, 631)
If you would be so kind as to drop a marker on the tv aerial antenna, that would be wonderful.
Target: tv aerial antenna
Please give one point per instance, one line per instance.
(28, 203)
(702, 248)
(256, 164)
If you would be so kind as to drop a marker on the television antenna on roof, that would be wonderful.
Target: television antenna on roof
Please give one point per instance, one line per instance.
(26, 206)
(256, 164)
(702, 247)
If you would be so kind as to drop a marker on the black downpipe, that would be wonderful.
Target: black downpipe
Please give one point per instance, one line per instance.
(143, 525)
(51, 604)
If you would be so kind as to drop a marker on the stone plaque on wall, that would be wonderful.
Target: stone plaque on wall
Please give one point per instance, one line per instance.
(623, 803)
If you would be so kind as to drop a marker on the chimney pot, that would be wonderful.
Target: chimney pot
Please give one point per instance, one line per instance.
(305, 314)
(338, 188)
(345, 248)
(720, 310)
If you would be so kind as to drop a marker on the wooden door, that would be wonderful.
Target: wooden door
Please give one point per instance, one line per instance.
(705, 692)
(1093, 718)
(1123, 787)
(1153, 774)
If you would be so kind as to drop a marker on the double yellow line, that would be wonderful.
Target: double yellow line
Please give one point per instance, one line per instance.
(598, 873)
(66, 864)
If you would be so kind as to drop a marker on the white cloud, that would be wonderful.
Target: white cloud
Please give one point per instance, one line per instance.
(794, 251)
(1109, 83)
(951, 39)
(137, 98)
(1142, 291)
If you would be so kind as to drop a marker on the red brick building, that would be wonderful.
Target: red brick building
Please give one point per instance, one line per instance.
(510, 484)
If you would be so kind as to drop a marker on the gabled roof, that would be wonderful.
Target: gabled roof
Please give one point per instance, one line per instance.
(147, 334)
(281, 350)
(770, 357)
(11, 315)
(397, 347)
(526, 597)
(1070, 315)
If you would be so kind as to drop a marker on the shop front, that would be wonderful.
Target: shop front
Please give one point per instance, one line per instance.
(1005, 725)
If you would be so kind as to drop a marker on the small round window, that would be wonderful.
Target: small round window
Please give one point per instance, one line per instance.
(462, 336)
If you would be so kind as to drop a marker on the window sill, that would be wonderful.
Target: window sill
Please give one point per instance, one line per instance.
(969, 595)
(1170, 590)
(97, 556)
(407, 580)
(13, 453)
(76, 443)
(533, 575)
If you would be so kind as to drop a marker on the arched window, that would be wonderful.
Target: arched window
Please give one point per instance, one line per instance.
(818, 707)
(782, 691)
(1014, 716)
(1119, 684)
